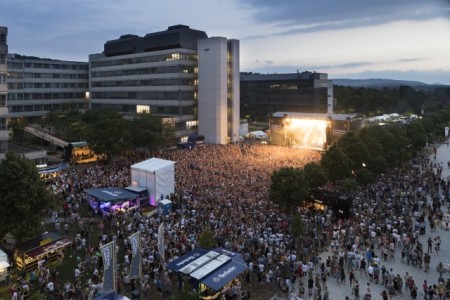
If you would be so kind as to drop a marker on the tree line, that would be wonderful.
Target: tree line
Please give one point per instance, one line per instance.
(106, 132)
(358, 157)
(404, 100)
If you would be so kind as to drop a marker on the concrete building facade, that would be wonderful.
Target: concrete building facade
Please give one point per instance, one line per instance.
(159, 73)
(218, 104)
(4, 133)
(301, 92)
(37, 86)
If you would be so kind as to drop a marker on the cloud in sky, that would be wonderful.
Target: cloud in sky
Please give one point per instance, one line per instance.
(337, 37)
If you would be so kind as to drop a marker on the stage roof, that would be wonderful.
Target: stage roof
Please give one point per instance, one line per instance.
(314, 116)
(110, 194)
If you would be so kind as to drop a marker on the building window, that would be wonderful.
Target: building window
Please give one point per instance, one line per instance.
(142, 109)
(192, 124)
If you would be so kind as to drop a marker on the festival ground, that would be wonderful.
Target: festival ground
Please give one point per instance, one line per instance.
(341, 291)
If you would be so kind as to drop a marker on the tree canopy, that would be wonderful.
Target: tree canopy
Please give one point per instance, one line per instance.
(315, 174)
(289, 188)
(24, 198)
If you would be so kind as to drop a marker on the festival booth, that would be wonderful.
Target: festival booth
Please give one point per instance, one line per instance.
(213, 269)
(164, 206)
(48, 172)
(4, 265)
(110, 200)
(47, 246)
(156, 175)
(339, 204)
(141, 193)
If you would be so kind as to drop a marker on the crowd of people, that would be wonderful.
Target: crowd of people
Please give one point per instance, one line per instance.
(226, 188)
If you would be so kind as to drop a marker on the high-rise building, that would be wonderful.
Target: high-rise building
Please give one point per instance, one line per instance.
(305, 92)
(218, 99)
(4, 133)
(160, 73)
(37, 86)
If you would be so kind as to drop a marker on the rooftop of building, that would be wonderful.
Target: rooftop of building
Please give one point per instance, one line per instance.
(21, 57)
(282, 76)
(176, 36)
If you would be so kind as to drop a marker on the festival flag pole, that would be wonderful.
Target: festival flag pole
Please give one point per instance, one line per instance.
(135, 265)
(109, 267)
(161, 246)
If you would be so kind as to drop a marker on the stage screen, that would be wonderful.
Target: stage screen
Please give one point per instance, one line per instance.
(302, 133)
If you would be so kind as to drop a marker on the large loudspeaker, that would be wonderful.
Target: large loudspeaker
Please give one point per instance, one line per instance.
(328, 135)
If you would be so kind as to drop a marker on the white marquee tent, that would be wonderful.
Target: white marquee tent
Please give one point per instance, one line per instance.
(3, 265)
(156, 175)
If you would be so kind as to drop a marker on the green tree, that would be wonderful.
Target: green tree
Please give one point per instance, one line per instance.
(336, 163)
(145, 131)
(315, 174)
(297, 229)
(297, 226)
(17, 125)
(106, 132)
(289, 188)
(168, 134)
(24, 198)
(206, 239)
(348, 185)
(355, 149)
(364, 176)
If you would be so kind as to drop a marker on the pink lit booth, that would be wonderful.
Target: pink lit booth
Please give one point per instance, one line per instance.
(110, 200)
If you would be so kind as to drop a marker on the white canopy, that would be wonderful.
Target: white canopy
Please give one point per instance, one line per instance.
(156, 175)
(258, 134)
(3, 265)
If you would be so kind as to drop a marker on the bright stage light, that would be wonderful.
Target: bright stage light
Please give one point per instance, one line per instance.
(306, 133)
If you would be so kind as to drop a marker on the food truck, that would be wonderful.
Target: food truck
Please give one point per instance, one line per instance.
(47, 246)
(111, 200)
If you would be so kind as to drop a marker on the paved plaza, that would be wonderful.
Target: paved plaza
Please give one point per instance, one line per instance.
(341, 291)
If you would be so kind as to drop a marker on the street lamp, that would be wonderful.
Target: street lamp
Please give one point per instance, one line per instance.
(87, 97)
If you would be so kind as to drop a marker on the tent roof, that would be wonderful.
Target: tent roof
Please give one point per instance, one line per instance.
(4, 264)
(136, 189)
(112, 296)
(111, 194)
(153, 164)
(3, 255)
(214, 268)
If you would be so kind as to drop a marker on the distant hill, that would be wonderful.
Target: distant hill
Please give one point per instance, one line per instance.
(380, 83)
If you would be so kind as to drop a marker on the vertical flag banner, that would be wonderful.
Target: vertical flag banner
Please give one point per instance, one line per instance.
(161, 238)
(109, 267)
(135, 266)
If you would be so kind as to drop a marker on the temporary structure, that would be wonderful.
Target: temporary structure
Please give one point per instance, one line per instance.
(258, 134)
(156, 175)
(3, 265)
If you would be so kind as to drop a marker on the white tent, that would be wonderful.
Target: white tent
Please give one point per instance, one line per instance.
(156, 175)
(258, 134)
(3, 265)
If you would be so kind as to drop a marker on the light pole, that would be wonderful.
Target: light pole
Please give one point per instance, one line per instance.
(286, 123)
